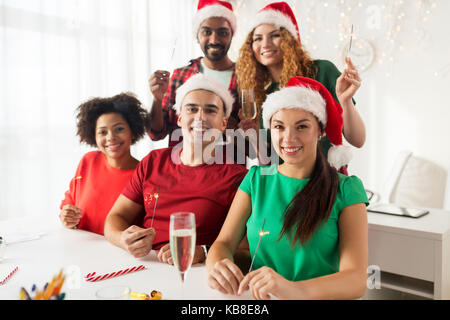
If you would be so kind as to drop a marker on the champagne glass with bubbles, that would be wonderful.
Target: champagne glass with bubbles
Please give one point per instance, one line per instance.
(182, 241)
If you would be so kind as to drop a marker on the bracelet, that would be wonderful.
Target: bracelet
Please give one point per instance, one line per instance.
(205, 250)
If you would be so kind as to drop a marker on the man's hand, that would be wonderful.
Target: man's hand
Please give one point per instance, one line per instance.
(137, 241)
(158, 83)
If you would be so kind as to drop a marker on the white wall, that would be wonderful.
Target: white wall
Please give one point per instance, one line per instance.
(405, 110)
(408, 109)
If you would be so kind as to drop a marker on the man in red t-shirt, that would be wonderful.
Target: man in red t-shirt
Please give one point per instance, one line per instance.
(189, 177)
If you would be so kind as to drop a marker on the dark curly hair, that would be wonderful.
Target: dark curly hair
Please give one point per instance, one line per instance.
(125, 104)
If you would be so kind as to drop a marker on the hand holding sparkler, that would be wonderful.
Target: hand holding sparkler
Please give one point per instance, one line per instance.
(262, 233)
(351, 40)
(158, 83)
(70, 216)
(349, 81)
(137, 241)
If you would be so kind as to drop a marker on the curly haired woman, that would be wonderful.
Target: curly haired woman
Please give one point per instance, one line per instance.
(112, 125)
(272, 54)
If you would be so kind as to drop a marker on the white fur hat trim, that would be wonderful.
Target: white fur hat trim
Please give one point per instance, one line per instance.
(273, 17)
(202, 82)
(212, 12)
(294, 97)
(339, 156)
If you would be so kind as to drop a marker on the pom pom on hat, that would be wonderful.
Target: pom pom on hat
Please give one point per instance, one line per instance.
(211, 9)
(310, 95)
(339, 156)
(200, 81)
(278, 14)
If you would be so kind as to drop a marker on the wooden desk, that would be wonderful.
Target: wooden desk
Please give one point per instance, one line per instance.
(413, 254)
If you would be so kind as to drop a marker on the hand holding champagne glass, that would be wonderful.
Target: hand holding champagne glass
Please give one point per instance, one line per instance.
(249, 110)
(182, 240)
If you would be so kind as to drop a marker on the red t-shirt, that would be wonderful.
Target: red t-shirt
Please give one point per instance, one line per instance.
(94, 189)
(206, 190)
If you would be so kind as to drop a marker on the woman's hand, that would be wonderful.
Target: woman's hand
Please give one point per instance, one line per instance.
(225, 276)
(70, 216)
(158, 83)
(348, 83)
(165, 254)
(137, 241)
(265, 281)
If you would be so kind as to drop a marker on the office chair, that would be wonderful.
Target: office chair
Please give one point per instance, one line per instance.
(414, 182)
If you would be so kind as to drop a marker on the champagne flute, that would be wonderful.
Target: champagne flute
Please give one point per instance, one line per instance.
(182, 241)
(249, 110)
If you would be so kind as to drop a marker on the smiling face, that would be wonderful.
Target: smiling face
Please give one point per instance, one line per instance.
(201, 111)
(295, 134)
(266, 45)
(214, 37)
(113, 136)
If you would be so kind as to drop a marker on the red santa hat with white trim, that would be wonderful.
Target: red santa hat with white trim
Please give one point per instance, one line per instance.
(312, 96)
(199, 81)
(279, 14)
(211, 9)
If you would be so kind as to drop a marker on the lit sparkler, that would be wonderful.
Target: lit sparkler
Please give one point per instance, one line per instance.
(262, 233)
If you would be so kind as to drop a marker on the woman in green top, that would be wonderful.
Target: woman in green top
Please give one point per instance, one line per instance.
(272, 54)
(306, 224)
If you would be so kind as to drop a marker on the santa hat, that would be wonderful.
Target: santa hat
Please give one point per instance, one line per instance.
(200, 81)
(211, 9)
(278, 14)
(312, 96)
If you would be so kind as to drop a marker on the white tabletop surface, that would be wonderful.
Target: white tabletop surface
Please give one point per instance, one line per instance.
(41, 259)
(80, 252)
(435, 225)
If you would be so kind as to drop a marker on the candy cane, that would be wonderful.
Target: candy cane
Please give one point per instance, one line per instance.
(9, 276)
(91, 277)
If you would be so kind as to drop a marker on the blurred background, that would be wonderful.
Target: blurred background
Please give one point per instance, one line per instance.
(56, 54)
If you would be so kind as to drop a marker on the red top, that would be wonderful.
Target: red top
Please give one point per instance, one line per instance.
(94, 189)
(206, 190)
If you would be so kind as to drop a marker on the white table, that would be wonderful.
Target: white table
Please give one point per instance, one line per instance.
(413, 254)
(40, 260)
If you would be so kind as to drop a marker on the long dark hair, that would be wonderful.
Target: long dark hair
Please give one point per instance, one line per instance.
(313, 204)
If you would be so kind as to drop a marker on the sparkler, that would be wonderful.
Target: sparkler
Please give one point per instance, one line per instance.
(351, 40)
(262, 233)
(156, 195)
(77, 190)
(173, 50)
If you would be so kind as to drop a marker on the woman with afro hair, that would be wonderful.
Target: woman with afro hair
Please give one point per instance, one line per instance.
(112, 125)
(272, 53)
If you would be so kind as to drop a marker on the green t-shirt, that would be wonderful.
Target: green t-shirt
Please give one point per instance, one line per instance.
(270, 193)
(327, 74)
